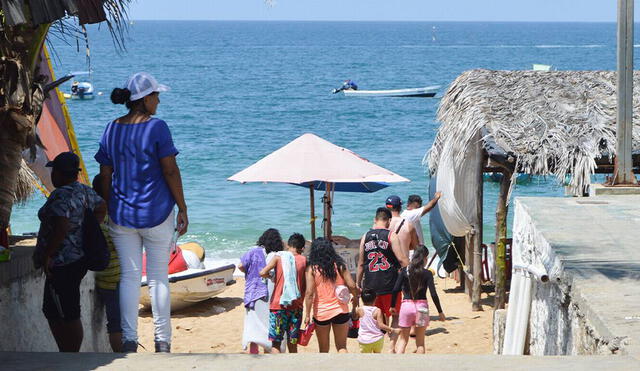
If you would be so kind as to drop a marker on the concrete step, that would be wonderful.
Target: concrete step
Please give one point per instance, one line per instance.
(299, 362)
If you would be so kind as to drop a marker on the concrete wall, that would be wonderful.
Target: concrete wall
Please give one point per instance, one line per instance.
(22, 324)
(559, 322)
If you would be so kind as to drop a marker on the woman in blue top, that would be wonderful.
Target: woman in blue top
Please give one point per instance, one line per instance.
(138, 165)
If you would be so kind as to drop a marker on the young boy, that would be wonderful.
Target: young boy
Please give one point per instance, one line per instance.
(107, 282)
(370, 335)
(287, 318)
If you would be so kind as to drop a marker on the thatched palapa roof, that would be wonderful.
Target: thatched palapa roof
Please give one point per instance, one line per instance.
(552, 123)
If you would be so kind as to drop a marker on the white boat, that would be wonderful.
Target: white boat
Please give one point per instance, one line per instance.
(542, 67)
(193, 285)
(429, 91)
(82, 90)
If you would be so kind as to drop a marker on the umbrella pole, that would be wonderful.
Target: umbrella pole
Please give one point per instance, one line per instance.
(313, 212)
(327, 210)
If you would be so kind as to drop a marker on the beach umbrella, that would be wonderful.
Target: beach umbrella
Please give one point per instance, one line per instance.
(312, 162)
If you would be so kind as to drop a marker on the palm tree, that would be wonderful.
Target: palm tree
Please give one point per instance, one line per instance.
(24, 27)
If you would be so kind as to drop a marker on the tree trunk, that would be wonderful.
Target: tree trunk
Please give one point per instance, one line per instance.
(10, 157)
(21, 101)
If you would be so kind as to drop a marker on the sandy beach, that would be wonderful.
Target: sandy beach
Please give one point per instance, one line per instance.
(215, 326)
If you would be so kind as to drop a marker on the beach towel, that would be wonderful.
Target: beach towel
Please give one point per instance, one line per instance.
(290, 290)
(256, 325)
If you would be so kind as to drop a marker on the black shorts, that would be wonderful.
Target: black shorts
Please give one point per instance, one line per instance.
(61, 300)
(337, 320)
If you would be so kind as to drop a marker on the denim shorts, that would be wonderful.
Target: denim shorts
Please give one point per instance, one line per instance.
(111, 300)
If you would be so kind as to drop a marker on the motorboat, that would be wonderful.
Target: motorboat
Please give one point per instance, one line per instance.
(195, 281)
(426, 92)
(82, 90)
(193, 285)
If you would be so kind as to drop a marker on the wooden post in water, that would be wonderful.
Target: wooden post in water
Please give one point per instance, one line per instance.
(502, 210)
(313, 212)
(477, 236)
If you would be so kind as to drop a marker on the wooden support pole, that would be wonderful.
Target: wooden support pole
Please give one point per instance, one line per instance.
(313, 212)
(327, 210)
(500, 252)
(477, 236)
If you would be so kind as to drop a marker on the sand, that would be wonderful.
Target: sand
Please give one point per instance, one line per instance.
(215, 325)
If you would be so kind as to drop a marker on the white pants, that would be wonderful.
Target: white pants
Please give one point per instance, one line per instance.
(129, 243)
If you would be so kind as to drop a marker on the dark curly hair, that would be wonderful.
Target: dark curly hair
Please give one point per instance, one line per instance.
(271, 240)
(324, 258)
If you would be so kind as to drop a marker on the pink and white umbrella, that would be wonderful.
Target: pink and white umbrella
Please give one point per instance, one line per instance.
(313, 162)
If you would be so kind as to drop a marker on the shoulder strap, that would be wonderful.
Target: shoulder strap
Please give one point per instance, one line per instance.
(400, 226)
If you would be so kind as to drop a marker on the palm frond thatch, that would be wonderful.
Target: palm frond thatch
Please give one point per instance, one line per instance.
(555, 123)
(26, 183)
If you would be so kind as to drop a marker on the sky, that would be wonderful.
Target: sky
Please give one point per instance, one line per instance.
(379, 10)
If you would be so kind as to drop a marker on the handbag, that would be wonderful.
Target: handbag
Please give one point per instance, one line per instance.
(94, 245)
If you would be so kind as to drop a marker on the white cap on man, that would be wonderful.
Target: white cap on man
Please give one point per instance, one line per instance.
(142, 84)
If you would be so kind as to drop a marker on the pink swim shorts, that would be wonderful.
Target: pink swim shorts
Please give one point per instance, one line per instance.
(412, 313)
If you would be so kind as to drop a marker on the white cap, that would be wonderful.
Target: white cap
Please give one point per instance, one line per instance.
(142, 84)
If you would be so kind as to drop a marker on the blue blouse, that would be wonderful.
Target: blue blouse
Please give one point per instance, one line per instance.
(140, 196)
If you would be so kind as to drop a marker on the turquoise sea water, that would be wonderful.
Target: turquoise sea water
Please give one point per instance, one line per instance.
(241, 90)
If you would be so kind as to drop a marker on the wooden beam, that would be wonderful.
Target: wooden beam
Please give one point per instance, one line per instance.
(477, 236)
(500, 247)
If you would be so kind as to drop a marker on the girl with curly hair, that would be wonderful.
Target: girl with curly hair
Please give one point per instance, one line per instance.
(329, 285)
(256, 294)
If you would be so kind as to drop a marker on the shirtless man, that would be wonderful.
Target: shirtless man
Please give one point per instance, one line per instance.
(415, 211)
(405, 229)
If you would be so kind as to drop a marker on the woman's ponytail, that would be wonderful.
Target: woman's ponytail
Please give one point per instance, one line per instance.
(120, 96)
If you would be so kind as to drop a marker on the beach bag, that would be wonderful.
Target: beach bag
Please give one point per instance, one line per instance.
(94, 245)
(306, 334)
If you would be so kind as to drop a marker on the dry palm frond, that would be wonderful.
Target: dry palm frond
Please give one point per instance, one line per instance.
(556, 123)
(26, 183)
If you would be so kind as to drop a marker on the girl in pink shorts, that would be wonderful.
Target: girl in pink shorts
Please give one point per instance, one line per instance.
(414, 281)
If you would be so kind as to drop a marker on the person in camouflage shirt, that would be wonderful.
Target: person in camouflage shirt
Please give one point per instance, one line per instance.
(59, 250)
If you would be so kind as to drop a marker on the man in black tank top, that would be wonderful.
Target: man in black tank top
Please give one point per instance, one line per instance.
(381, 256)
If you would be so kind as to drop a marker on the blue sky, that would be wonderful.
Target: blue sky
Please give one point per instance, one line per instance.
(392, 10)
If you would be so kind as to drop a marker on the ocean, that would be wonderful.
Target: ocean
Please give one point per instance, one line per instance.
(241, 90)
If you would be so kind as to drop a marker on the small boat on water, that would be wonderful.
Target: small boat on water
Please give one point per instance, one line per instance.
(82, 90)
(542, 67)
(426, 92)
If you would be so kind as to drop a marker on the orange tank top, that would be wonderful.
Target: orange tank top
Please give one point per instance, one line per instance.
(326, 304)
